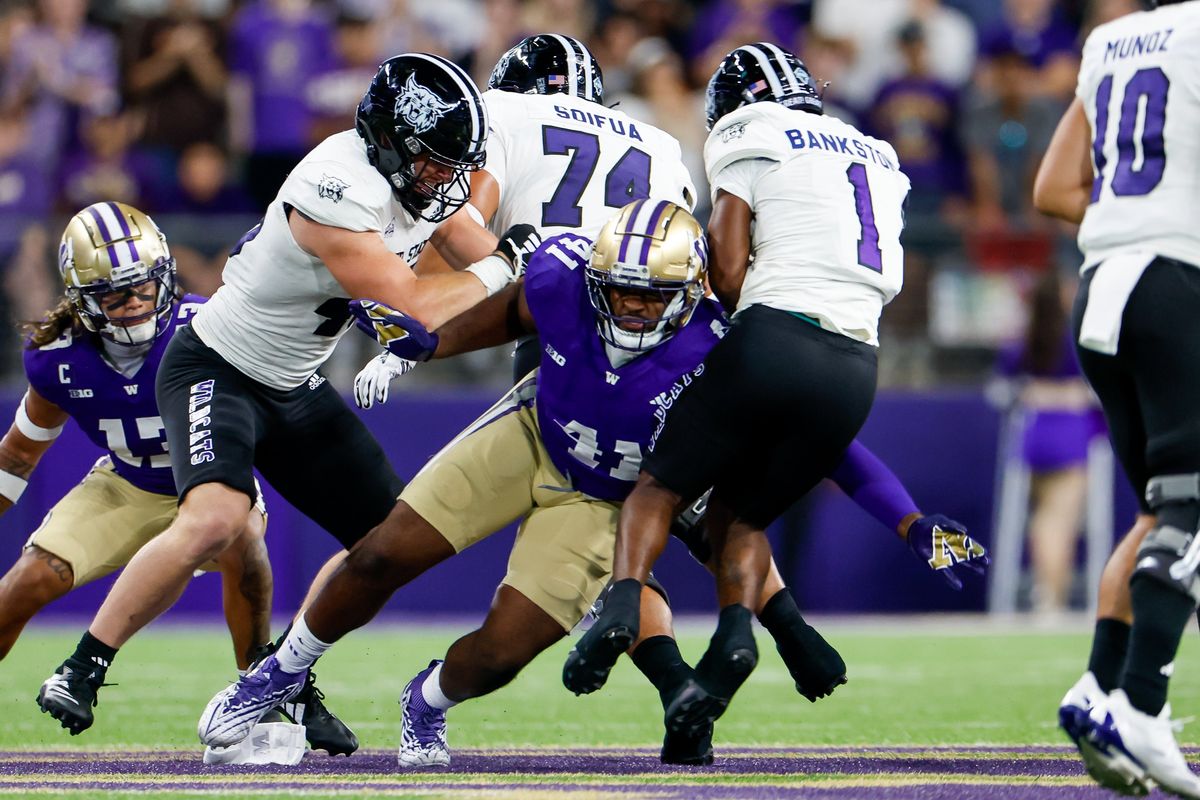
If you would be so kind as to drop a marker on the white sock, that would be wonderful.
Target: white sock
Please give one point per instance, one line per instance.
(300, 649)
(431, 690)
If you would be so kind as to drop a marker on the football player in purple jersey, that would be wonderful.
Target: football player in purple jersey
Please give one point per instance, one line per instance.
(94, 358)
(623, 324)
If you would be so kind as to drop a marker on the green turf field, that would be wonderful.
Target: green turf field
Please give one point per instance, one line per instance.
(911, 684)
(905, 688)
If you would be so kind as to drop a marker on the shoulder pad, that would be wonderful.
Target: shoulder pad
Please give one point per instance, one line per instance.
(745, 133)
(341, 195)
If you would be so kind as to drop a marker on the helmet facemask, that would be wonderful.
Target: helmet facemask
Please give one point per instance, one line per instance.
(94, 302)
(678, 300)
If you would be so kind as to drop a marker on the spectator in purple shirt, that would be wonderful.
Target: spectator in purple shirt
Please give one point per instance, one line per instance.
(276, 47)
(106, 167)
(59, 68)
(917, 113)
(1037, 31)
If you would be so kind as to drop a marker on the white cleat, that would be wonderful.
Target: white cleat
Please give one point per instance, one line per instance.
(235, 710)
(1150, 742)
(422, 728)
(268, 743)
(1077, 704)
(1104, 753)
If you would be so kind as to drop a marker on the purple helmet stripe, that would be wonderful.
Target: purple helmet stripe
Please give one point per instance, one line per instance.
(112, 251)
(125, 230)
(654, 218)
(633, 212)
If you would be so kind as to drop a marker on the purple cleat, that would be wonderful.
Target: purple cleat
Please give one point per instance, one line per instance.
(237, 708)
(422, 727)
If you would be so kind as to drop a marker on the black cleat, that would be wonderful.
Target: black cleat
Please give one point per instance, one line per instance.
(703, 699)
(69, 695)
(613, 633)
(590, 661)
(814, 664)
(688, 749)
(322, 729)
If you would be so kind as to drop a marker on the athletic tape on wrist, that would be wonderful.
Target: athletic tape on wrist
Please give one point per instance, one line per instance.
(30, 429)
(12, 486)
(493, 272)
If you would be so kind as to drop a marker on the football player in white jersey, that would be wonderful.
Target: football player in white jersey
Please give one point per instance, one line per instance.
(1125, 164)
(786, 390)
(239, 387)
(558, 158)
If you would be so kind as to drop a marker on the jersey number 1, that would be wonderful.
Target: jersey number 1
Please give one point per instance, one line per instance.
(628, 180)
(1144, 102)
(869, 254)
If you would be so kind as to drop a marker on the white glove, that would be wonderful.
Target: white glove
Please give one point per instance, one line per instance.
(371, 384)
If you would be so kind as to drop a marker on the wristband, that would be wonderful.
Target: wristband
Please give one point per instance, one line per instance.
(30, 429)
(12, 486)
(493, 272)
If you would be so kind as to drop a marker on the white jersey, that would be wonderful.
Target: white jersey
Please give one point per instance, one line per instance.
(281, 312)
(1140, 84)
(828, 211)
(566, 165)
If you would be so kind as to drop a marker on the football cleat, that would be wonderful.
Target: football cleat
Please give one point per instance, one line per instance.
(1140, 746)
(1105, 756)
(322, 729)
(692, 749)
(422, 727)
(722, 670)
(595, 654)
(69, 695)
(1077, 704)
(235, 710)
(814, 664)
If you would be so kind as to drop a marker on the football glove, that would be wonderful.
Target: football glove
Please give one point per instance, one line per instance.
(516, 245)
(372, 382)
(944, 545)
(400, 334)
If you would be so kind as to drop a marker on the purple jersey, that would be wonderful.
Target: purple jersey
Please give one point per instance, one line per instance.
(118, 414)
(596, 419)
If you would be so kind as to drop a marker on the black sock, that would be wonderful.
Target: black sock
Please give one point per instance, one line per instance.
(93, 653)
(1110, 643)
(661, 662)
(1160, 613)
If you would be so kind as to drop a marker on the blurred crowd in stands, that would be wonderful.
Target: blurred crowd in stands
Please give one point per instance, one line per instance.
(195, 110)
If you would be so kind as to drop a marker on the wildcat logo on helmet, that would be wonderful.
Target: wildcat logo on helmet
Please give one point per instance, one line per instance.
(420, 107)
(331, 188)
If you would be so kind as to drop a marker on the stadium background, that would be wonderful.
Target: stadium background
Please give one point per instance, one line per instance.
(194, 110)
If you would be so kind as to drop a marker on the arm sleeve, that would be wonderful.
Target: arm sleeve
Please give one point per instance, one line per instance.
(867, 481)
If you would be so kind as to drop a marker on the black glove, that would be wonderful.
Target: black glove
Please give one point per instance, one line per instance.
(517, 244)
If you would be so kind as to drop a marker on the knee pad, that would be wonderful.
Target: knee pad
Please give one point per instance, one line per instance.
(1169, 553)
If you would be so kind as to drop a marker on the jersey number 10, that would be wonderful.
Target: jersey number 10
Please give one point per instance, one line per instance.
(1143, 106)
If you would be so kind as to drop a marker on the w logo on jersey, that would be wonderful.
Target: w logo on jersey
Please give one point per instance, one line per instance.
(131, 390)
(420, 107)
(611, 378)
